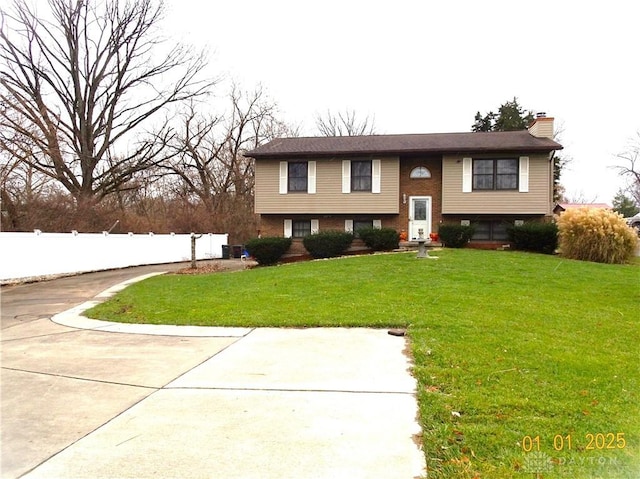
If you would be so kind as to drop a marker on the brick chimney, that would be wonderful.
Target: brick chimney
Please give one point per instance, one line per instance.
(542, 126)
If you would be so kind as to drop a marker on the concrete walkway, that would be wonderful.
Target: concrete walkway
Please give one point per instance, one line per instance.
(93, 399)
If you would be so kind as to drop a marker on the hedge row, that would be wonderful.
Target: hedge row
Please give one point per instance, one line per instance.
(325, 244)
(455, 235)
(535, 237)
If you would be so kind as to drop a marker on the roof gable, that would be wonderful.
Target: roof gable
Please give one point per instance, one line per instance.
(429, 143)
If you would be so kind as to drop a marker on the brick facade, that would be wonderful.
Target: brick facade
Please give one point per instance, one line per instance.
(420, 187)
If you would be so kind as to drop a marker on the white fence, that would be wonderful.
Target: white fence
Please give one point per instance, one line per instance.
(27, 255)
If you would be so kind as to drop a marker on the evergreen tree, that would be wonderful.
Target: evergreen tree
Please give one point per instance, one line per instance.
(483, 123)
(510, 117)
(624, 205)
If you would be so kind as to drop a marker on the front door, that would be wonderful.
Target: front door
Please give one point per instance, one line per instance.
(419, 216)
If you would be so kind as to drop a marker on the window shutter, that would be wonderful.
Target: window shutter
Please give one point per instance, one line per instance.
(311, 177)
(283, 178)
(377, 224)
(375, 176)
(315, 226)
(524, 175)
(467, 175)
(346, 176)
(348, 226)
(288, 228)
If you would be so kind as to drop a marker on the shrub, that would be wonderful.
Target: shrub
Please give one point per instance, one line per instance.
(597, 235)
(454, 235)
(268, 250)
(327, 244)
(380, 239)
(536, 237)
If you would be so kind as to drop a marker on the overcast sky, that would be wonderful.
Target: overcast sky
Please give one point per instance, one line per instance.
(428, 67)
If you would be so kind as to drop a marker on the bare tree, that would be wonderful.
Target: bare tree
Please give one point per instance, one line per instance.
(208, 156)
(630, 169)
(345, 124)
(81, 83)
(21, 188)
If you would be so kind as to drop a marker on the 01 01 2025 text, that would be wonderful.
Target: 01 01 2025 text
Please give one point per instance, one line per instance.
(589, 442)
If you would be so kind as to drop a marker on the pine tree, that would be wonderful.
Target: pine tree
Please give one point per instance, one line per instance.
(624, 205)
(510, 117)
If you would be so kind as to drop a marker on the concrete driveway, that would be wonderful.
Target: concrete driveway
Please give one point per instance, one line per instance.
(228, 403)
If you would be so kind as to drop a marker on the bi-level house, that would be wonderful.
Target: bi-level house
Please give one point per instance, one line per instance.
(406, 182)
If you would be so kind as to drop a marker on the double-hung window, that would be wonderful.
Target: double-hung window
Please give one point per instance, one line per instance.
(495, 174)
(361, 224)
(361, 175)
(490, 230)
(297, 177)
(300, 228)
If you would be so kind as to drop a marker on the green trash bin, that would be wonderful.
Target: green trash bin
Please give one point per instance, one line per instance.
(225, 251)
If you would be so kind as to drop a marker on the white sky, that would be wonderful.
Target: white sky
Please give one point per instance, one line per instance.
(427, 66)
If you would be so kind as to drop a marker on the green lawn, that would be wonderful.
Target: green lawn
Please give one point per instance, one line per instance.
(526, 364)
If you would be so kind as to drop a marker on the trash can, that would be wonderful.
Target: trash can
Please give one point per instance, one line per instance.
(225, 251)
(237, 250)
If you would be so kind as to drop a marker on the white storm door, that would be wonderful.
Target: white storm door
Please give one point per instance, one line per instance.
(419, 216)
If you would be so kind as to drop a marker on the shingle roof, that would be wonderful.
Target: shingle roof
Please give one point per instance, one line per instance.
(430, 143)
(567, 206)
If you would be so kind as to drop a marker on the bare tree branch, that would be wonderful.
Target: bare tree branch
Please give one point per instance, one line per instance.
(630, 169)
(80, 85)
(345, 124)
(208, 152)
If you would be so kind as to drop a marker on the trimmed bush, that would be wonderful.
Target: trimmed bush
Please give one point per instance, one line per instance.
(380, 239)
(327, 244)
(268, 250)
(455, 235)
(598, 235)
(536, 237)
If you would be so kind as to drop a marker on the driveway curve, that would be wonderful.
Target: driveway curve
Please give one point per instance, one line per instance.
(268, 403)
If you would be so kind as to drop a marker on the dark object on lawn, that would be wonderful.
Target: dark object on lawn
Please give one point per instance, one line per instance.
(397, 332)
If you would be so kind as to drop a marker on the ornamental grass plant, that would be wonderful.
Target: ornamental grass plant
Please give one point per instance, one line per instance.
(599, 235)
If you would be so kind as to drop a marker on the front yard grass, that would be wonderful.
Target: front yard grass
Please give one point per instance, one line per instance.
(527, 365)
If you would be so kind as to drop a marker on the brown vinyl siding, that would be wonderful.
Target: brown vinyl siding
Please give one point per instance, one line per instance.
(328, 198)
(536, 201)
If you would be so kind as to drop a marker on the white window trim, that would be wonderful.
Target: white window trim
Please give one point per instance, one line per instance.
(376, 174)
(288, 227)
(284, 177)
(346, 176)
(348, 226)
(467, 175)
(523, 180)
(311, 177)
(420, 172)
